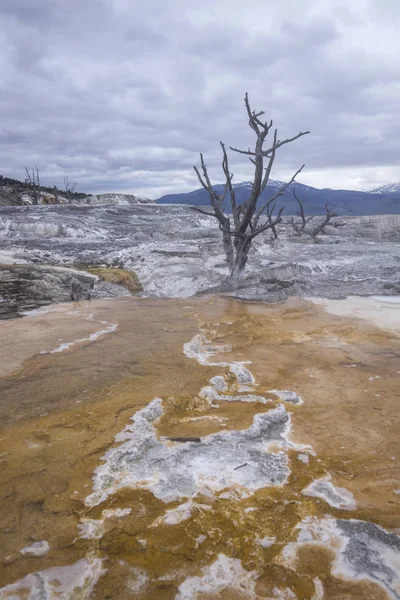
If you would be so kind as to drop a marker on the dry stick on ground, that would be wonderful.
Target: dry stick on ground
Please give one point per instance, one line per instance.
(299, 227)
(240, 229)
(33, 182)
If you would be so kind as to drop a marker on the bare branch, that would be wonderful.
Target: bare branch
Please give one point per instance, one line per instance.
(295, 226)
(320, 228)
(229, 177)
(202, 183)
(280, 192)
(253, 124)
(270, 211)
(279, 143)
(215, 199)
(270, 164)
(248, 152)
(269, 224)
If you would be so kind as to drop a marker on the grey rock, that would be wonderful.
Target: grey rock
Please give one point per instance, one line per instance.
(367, 552)
(8, 196)
(177, 252)
(117, 199)
(26, 287)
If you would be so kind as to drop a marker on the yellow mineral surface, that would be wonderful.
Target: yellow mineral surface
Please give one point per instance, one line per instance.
(72, 377)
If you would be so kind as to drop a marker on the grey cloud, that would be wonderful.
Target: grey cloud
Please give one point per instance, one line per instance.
(124, 95)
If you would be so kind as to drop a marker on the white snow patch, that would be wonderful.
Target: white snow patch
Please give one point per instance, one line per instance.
(91, 338)
(210, 393)
(362, 550)
(172, 471)
(94, 528)
(334, 496)
(287, 396)
(179, 514)
(304, 458)
(266, 541)
(319, 593)
(224, 574)
(202, 350)
(37, 548)
(138, 580)
(219, 383)
(200, 539)
(72, 581)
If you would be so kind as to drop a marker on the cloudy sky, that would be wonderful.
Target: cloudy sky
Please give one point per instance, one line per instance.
(122, 95)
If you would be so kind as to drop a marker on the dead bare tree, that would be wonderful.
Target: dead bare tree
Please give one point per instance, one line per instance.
(299, 227)
(320, 228)
(271, 219)
(69, 189)
(33, 183)
(314, 233)
(240, 229)
(56, 194)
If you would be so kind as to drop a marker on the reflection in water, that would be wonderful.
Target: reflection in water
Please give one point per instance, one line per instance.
(279, 498)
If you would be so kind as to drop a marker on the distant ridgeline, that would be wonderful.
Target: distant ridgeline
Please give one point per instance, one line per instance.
(24, 185)
(379, 201)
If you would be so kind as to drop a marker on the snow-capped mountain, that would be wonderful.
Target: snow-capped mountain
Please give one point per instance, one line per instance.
(389, 188)
(249, 185)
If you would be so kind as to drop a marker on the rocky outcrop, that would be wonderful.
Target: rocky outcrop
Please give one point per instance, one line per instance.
(11, 196)
(126, 279)
(8, 196)
(176, 252)
(26, 287)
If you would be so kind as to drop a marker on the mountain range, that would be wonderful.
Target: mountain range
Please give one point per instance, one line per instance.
(377, 201)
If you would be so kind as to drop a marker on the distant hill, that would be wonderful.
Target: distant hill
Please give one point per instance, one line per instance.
(379, 201)
(9, 189)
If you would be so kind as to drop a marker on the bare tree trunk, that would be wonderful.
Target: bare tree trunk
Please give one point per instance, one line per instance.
(56, 194)
(33, 183)
(241, 257)
(320, 228)
(228, 248)
(246, 216)
(299, 228)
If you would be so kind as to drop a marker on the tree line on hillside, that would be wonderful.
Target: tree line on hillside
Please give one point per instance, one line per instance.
(33, 187)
